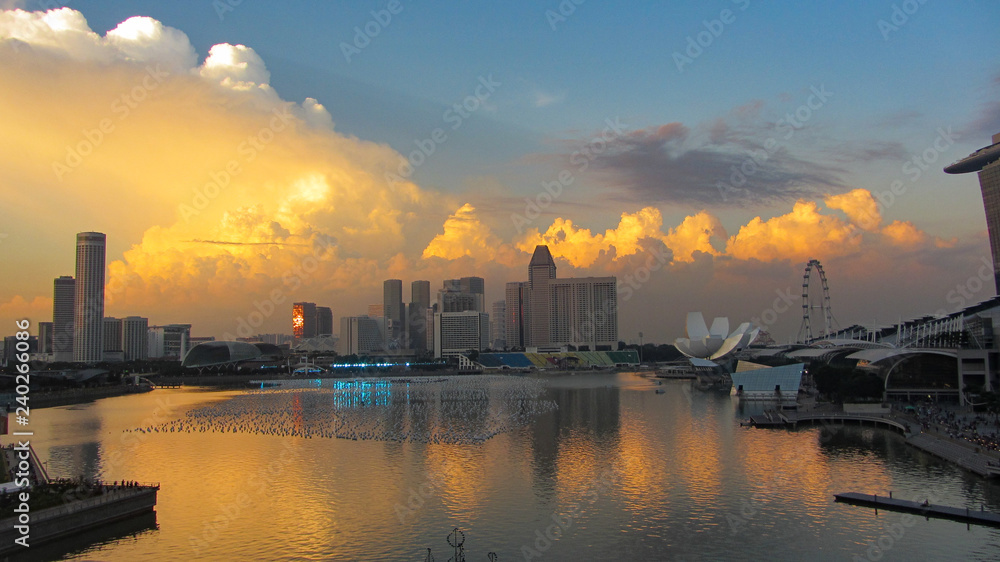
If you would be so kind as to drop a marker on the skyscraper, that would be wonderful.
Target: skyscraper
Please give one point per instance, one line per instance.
(986, 161)
(420, 301)
(63, 308)
(541, 269)
(88, 316)
(498, 326)
(112, 334)
(134, 338)
(516, 309)
(551, 313)
(324, 321)
(392, 307)
(304, 320)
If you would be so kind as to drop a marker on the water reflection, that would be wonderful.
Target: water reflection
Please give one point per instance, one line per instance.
(630, 474)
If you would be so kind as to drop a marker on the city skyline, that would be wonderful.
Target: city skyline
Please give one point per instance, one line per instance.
(703, 163)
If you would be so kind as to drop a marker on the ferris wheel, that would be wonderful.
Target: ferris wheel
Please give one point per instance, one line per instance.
(811, 326)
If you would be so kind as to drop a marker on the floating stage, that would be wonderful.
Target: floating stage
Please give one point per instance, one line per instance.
(927, 510)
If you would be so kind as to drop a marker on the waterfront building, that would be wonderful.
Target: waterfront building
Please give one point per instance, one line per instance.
(416, 314)
(456, 333)
(134, 339)
(516, 306)
(171, 341)
(112, 335)
(304, 320)
(498, 325)
(392, 308)
(63, 309)
(324, 321)
(986, 161)
(769, 384)
(88, 315)
(359, 335)
(45, 337)
(549, 313)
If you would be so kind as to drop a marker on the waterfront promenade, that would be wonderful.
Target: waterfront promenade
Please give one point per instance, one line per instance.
(968, 455)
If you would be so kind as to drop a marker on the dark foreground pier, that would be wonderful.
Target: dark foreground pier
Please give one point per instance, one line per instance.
(927, 510)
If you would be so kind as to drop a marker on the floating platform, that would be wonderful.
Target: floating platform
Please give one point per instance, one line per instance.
(927, 510)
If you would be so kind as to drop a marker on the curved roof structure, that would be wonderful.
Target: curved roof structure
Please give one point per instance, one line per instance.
(975, 161)
(212, 353)
(713, 343)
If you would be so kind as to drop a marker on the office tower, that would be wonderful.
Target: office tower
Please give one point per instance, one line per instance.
(304, 319)
(551, 313)
(416, 315)
(498, 326)
(584, 312)
(986, 161)
(517, 307)
(541, 270)
(134, 338)
(112, 335)
(88, 315)
(358, 335)
(458, 332)
(392, 307)
(45, 337)
(169, 342)
(324, 321)
(63, 309)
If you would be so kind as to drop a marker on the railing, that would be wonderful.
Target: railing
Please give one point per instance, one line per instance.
(107, 497)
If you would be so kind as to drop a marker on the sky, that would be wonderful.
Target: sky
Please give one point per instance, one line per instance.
(242, 156)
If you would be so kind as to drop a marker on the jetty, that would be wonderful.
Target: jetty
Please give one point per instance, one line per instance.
(926, 509)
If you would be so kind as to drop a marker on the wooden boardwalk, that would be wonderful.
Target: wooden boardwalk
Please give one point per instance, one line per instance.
(930, 510)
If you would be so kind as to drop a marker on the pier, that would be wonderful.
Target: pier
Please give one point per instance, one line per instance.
(928, 510)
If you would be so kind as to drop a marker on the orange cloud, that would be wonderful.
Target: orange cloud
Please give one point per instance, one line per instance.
(465, 235)
(695, 234)
(859, 206)
(38, 309)
(799, 235)
(904, 233)
(581, 248)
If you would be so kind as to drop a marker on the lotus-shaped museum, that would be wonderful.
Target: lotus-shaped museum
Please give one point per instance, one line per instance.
(715, 343)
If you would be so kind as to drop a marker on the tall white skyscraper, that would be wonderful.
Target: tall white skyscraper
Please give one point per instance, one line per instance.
(88, 318)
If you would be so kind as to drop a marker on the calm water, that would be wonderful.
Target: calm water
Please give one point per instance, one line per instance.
(616, 472)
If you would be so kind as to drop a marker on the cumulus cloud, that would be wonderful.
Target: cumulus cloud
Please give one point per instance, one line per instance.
(465, 235)
(130, 126)
(859, 206)
(801, 234)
